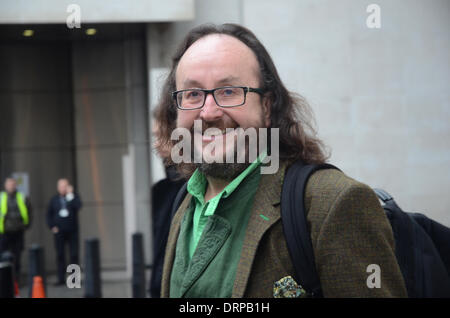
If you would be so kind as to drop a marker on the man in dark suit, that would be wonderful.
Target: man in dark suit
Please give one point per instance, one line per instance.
(62, 219)
(226, 239)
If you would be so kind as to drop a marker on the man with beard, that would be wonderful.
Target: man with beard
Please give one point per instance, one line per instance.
(226, 239)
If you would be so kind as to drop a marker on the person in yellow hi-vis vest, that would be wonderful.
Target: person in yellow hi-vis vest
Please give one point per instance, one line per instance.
(15, 218)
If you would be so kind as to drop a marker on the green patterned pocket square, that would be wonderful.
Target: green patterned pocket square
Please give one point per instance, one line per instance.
(287, 287)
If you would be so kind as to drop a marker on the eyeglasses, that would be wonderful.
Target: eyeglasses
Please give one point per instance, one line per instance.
(229, 96)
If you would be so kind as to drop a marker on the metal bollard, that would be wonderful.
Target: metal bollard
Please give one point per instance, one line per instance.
(138, 279)
(6, 280)
(7, 256)
(36, 267)
(92, 269)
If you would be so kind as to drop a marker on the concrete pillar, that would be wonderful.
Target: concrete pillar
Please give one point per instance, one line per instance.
(136, 162)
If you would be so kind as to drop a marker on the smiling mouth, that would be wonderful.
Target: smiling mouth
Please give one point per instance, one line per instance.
(208, 136)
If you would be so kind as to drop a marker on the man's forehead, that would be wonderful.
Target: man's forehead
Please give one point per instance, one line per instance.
(224, 80)
(217, 50)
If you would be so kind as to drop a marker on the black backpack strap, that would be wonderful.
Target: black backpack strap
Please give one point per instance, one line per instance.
(178, 199)
(295, 227)
(383, 195)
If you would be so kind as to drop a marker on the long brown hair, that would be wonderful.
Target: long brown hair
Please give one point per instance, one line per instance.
(289, 112)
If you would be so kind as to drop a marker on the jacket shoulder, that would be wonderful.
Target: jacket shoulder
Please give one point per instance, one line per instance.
(331, 191)
(329, 184)
(53, 200)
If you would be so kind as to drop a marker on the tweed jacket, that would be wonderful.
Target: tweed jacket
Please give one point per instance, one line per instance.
(348, 228)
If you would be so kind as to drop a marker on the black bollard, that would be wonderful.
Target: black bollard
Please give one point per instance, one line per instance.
(92, 269)
(6, 279)
(7, 256)
(36, 267)
(138, 279)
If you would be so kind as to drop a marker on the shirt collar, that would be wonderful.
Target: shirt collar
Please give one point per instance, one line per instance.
(197, 182)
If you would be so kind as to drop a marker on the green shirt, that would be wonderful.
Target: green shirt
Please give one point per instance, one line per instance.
(211, 236)
(197, 187)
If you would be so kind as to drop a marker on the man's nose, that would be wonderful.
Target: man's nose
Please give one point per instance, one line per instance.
(210, 111)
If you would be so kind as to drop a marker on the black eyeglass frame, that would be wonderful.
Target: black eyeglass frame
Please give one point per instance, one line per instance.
(247, 89)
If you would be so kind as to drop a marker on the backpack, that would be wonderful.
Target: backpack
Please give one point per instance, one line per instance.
(422, 245)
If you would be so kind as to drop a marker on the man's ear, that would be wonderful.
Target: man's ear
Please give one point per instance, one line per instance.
(267, 107)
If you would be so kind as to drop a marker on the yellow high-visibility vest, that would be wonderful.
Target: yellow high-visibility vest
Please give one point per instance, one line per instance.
(4, 209)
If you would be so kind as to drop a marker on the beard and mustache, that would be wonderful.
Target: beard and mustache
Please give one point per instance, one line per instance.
(224, 170)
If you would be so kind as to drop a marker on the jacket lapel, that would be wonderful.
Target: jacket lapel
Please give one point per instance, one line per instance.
(263, 215)
(171, 246)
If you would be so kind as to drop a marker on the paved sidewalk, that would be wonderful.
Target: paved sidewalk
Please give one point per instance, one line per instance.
(114, 285)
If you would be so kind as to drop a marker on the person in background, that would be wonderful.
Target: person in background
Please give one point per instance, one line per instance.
(15, 218)
(163, 196)
(62, 219)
